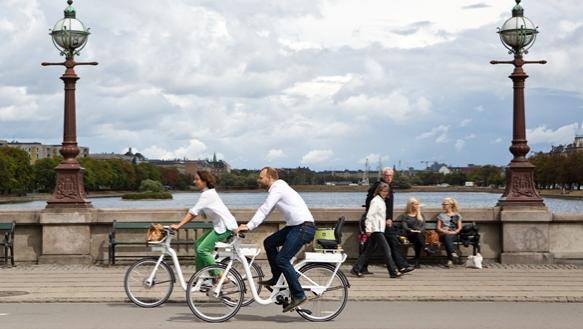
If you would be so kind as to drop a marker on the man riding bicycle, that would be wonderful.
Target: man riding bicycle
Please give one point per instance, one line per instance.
(299, 230)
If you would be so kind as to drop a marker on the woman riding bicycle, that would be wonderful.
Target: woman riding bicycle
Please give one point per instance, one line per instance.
(210, 206)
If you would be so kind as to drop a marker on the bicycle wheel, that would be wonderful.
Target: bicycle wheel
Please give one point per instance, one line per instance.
(145, 294)
(331, 302)
(211, 302)
(257, 274)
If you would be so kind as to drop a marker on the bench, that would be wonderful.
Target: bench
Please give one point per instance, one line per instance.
(468, 236)
(115, 241)
(7, 241)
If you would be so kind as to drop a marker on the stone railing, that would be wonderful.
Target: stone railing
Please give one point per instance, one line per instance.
(80, 236)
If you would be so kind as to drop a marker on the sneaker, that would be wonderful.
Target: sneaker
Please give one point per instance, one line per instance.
(449, 264)
(205, 285)
(295, 303)
(355, 273)
(454, 255)
(429, 251)
(396, 275)
(407, 269)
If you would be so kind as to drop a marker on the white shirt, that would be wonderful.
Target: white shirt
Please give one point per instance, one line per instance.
(212, 207)
(288, 202)
(375, 217)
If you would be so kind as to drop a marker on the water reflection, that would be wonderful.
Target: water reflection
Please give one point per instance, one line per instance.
(315, 200)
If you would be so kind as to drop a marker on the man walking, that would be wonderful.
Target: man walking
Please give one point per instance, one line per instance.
(299, 230)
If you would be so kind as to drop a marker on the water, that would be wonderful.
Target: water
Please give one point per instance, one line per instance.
(314, 200)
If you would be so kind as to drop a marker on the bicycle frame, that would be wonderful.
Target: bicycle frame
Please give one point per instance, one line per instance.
(234, 248)
(164, 247)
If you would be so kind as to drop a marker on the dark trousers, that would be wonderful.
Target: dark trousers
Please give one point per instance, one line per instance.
(380, 241)
(395, 246)
(418, 241)
(447, 240)
(290, 239)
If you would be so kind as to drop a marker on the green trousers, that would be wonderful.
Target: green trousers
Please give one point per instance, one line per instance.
(205, 245)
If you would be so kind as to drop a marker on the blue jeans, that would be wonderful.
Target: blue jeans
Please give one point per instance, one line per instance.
(290, 239)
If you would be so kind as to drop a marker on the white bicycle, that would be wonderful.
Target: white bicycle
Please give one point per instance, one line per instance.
(216, 292)
(149, 282)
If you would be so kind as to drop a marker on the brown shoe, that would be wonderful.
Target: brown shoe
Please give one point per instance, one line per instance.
(295, 303)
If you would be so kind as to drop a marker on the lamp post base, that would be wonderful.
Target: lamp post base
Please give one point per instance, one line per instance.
(520, 190)
(69, 191)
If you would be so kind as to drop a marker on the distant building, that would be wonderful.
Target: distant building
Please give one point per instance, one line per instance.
(217, 167)
(38, 151)
(128, 156)
(577, 145)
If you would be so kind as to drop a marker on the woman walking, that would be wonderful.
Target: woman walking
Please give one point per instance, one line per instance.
(375, 224)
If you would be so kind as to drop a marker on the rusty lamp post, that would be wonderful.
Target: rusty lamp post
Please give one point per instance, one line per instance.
(518, 34)
(69, 36)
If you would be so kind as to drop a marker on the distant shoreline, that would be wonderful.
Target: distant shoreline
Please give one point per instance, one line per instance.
(572, 195)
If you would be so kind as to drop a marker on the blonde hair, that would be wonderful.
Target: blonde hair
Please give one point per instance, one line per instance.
(409, 208)
(454, 205)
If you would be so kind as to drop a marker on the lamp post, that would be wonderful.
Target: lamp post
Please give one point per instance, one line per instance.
(69, 36)
(518, 34)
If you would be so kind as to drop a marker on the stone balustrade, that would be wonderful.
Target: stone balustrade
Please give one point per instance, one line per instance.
(80, 236)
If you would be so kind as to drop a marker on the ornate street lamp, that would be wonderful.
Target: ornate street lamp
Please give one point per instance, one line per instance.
(518, 34)
(69, 36)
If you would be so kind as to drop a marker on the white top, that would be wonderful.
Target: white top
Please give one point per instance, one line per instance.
(375, 217)
(212, 207)
(288, 202)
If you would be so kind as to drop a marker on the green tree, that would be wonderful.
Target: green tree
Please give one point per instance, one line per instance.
(44, 174)
(148, 185)
(21, 180)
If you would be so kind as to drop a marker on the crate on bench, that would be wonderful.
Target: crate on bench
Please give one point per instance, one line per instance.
(468, 236)
(116, 239)
(7, 241)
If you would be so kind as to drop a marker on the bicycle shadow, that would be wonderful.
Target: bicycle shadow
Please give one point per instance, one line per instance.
(189, 317)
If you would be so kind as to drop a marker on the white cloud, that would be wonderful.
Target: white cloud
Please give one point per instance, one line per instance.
(459, 144)
(465, 122)
(317, 156)
(395, 106)
(439, 133)
(562, 135)
(373, 159)
(193, 150)
(275, 154)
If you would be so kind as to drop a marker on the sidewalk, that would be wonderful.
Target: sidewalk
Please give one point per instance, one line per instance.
(496, 282)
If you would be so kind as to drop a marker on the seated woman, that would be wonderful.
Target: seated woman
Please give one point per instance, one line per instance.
(413, 225)
(209, 205)
(449, 224)
(375, 225)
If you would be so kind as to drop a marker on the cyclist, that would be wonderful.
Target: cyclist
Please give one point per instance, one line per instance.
(209, 205)
(299, 230)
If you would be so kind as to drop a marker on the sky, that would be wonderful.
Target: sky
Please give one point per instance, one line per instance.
(325, 84)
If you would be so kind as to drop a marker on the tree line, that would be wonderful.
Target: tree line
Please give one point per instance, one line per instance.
(558, 169)
(18, 176)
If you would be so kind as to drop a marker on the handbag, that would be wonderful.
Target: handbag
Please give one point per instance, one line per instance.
(432, 238)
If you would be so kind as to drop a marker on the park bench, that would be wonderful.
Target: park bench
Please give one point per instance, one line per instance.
(128, 227)
(7, 241)
(468, 236)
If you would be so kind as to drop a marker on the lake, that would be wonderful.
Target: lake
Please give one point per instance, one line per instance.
(314, 200)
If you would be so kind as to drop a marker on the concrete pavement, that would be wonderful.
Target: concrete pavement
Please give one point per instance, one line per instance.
(495, 282)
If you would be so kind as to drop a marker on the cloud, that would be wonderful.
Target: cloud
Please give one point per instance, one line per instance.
(374, 158)
(317, 156)
(476, 6)
(459, 144)
(275, 154)
(194, 150)
(465, 122)
(439, 133)
(562, 135)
